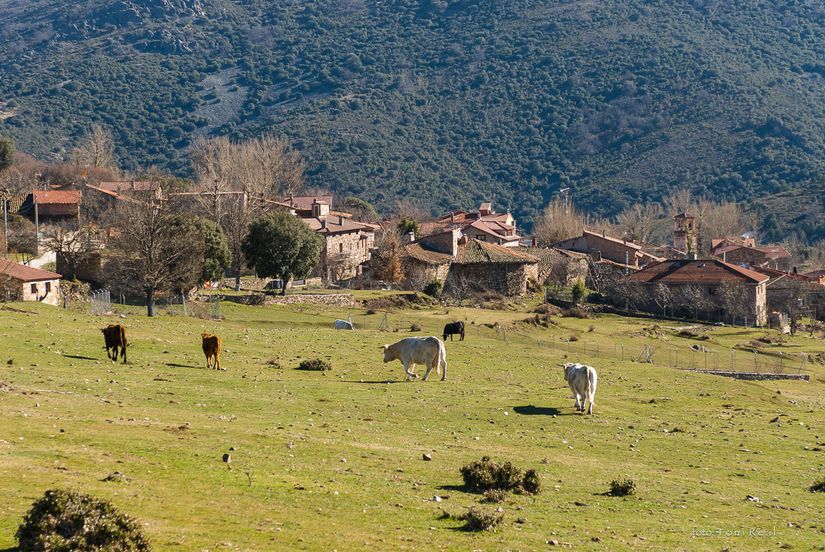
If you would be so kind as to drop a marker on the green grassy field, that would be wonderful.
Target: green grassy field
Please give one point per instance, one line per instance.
(326, 461)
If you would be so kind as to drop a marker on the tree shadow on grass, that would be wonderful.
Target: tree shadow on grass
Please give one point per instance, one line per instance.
(532, 410)
(15, 549)
(368, 382)
(78, 357)
(176, 365)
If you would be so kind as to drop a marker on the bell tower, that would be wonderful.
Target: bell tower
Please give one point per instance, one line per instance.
(684, 234)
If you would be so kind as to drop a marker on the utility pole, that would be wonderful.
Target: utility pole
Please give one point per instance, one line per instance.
(5, 194)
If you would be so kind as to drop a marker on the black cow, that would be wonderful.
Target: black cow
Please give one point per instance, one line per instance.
(115, 336)
(454, 328)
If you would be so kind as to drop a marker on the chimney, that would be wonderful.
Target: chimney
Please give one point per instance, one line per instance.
(320, 209)
(408, 238)
(341, 220)
(795, 271)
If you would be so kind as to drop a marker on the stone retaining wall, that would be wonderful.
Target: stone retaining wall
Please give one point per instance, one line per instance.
(755, 375)
(330, 300)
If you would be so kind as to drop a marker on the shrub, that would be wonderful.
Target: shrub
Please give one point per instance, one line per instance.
(64, 521)
(577, 292)
(575, 312)
(481, 519)
(573, 338)
(415, 327)
(547, 309)
(531, 483)
(818, 487)
(273, 363)
(486, 475)
(591, 328)
(622, 487)
(315, 364)
(495, 496)
(434, 288)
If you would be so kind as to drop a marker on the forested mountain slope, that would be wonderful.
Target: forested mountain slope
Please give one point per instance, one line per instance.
(443, 102)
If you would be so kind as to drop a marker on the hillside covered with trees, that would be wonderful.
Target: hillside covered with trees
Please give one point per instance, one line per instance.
(445, 102)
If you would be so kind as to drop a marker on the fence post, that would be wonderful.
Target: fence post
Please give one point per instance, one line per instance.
(755, 361)
(622, 352)
(183, 302)
(706, 359)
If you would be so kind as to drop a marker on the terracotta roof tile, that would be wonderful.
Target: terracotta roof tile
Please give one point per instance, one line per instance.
(56, 197)
(683, 271)
(25, 273)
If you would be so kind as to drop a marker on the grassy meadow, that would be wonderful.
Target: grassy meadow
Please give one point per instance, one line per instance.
(333, 460)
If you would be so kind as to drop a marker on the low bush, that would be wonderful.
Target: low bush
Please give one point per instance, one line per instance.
(486, 475)
(315, 364)
(481, 519)
(547, 309)
(434, 288)
(575, 312)
(818, 487)
(495, 496)
(622, 487)
(273, 363)
(66, 521)
(415, 327)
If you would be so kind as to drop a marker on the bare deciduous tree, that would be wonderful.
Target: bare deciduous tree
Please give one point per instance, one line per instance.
(153, 249)
(96, 150)
(559, 221)
(239, 182)
(643, 223)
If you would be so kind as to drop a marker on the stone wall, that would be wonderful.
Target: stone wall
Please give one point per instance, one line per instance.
(755, 375)
(507, 279)
(330, 300)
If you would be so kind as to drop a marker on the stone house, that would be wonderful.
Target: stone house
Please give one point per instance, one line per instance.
(347, 244)
(704, 283)
(603, 247)
(467, 265)
(558, 266)
(484, 225)
(766, 256)
(23, 283)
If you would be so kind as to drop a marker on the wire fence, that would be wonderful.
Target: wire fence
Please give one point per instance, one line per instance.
(700, 356)
(100, 302)
(179, 305)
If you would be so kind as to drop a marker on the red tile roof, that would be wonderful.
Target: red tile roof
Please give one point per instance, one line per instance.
(25, 273)
(701, 271)
(57, 197)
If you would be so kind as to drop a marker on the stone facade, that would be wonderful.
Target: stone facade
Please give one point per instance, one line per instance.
(43, 291)
(506, 279)
(344, 253)
(330, 300)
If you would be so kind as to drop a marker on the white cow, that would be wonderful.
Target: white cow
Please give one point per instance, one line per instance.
(410, 351)
(582, 380)
(344, 325)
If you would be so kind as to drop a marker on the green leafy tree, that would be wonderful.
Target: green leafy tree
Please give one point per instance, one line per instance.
(577, 291)
(407, 225)
(216, 255)
(7, 151)
(360, 209)
(280, 245)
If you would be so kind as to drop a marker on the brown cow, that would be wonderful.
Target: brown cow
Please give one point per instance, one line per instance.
(115, 337)
(212, 349)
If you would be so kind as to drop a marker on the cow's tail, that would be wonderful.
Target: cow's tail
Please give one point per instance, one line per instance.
(442, 360)
(590, 388)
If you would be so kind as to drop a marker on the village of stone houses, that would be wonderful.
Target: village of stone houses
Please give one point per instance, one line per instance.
(243, 362)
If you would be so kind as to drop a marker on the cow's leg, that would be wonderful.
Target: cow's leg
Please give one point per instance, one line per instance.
(578, 406)
(218, 360)
(123, 353)
(430, 366)
(590, 397)
(462, 336)
(443, 363)
(408, 370)
(114, 353)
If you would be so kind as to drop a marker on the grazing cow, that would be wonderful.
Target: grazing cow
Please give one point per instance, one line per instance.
(410, 351)
(211, 345)
(115, 337)
(582, 380)
(454, 328)
(344, 325)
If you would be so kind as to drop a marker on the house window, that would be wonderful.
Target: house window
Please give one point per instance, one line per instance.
(481, 237)
(34, 289)
(340, 248)
(48, 287)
